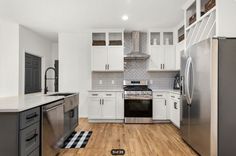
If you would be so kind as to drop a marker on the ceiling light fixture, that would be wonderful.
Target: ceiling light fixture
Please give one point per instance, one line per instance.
(125, 17)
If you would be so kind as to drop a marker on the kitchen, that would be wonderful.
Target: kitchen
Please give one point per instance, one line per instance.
(123, 85)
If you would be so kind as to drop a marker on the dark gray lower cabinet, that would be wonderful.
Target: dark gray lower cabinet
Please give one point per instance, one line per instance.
(20, 133)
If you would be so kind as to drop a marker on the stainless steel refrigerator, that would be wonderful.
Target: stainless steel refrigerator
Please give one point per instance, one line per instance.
(208, 97)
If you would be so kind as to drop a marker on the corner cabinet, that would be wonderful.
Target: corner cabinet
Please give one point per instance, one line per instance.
(107, 50)
(162, 51)
(166, 107)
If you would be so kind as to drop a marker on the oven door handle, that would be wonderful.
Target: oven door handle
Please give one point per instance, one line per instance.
(138, 98)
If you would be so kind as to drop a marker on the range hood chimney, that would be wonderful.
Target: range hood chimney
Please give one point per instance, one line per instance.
(135, 53)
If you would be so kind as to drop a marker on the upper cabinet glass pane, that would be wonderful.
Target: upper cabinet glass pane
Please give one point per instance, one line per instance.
(168, 38)
(115, 39)
(155, 38)
(191, 14)
(99, 39)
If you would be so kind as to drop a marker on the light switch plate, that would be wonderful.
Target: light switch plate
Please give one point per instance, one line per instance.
(151, 82)
(112, 82)
(100, 82)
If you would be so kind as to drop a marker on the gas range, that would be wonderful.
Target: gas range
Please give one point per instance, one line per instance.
(137, 90)
(138, 101)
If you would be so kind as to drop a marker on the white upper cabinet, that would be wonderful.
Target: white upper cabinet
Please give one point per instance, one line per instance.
(170, 58)
(107, 50)
(162, 51)
(156, 59)
(99, 58)
(115, 58)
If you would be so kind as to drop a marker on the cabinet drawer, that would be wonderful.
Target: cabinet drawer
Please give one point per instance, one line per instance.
(29, 139)
(109, 94)
(29, 117)
(95, 94)
(159, 95)
(35, 153)
(175, 96)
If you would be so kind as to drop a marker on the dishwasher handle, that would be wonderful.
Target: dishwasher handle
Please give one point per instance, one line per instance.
(52, 108)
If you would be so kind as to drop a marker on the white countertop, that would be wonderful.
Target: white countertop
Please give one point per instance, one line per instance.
(121, 90)
(167, 90)
(25, 102)
(106, 90)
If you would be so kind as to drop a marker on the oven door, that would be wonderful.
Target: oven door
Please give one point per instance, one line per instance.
(138, 110)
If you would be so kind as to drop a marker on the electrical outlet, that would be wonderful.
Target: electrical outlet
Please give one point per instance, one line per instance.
(100, 82)
(112, 82)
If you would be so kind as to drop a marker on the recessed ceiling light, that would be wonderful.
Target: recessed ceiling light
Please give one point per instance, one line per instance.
(125, 17)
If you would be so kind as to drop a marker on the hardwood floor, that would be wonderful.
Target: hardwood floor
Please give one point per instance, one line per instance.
(135, 139)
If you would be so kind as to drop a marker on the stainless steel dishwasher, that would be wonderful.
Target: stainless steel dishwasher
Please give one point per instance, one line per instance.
(52, 128)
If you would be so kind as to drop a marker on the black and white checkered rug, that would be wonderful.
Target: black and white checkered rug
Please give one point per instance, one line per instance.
(77, 139)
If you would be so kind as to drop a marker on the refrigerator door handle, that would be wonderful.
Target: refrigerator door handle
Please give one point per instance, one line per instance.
(187, 80)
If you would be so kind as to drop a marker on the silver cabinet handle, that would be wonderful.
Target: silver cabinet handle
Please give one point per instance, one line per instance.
(108, 94)
(175, 105)
(108, 66)
(163, 66)
(100, 101)
(159, 95)
(94, 94)
(55, 107)
(165, 102)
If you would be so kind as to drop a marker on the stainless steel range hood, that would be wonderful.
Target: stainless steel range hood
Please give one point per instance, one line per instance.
(136, 54)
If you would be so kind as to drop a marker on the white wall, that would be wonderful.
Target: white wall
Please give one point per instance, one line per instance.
(9, 58)
(35, 44)
(74, 66)
(54, 50)
(226, 16)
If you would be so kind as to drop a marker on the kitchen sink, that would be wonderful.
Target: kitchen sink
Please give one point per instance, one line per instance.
(61, 94)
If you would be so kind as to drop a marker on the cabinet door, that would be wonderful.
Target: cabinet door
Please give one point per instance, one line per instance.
(177, 113)
(119, 106)
(159, 109)
(172, 111)
(99, 58)
(94, 109)
(156, 58)
(116, 58)
(170, 58)
(109, 108)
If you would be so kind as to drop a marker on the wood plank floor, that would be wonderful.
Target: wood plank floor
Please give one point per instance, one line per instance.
(135, 139)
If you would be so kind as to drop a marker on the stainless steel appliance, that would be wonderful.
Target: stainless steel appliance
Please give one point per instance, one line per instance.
(136, 54)
(71, 115)
(208, 97)
(52, 128)
(138, 102)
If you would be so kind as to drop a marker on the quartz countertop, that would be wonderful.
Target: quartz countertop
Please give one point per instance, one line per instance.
(167, 90)
(106, 90)
(25, 102)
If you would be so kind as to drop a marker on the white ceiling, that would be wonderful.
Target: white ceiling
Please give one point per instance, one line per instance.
(51, 16)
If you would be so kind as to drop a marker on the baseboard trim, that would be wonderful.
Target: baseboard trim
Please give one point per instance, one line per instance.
(105, 120)
(161, 121)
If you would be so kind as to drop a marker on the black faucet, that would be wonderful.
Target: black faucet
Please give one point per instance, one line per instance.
(45, 79)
